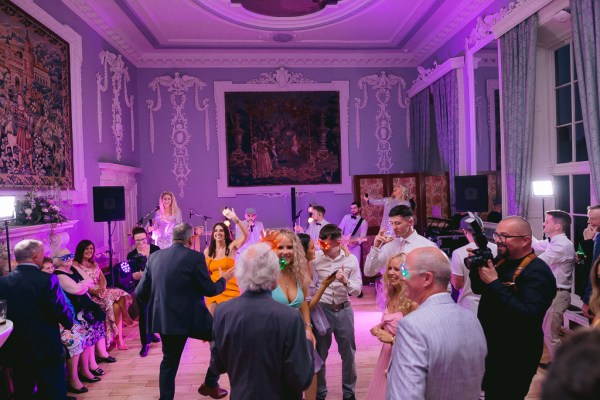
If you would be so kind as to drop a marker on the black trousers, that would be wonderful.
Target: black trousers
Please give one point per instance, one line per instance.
(145, 336)
(49, 376)
(172, 347)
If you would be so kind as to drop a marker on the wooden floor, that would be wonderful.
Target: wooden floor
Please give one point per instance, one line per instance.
(136, 378)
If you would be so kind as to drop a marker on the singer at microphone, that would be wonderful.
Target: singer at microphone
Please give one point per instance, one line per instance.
(254, 228)
(168, 215)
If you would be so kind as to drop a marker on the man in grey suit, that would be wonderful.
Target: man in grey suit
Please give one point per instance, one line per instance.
(440, 348)
(260, 343)
(174, 285)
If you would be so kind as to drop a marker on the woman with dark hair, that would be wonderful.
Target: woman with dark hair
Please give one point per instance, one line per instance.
(114, 302)
(219, 258)
(397, 306)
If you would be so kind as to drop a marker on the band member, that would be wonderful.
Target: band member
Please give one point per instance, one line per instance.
(399, 197)
(318, 216)
(354, 230)
(165, 220)
(253, 227)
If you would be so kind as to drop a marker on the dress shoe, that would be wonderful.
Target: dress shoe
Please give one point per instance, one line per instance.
(360, 296)
(109, 359)
(215, 393)
(97, 372)
(155, 339)
(144, 350)
(89, 380)
(81, 390)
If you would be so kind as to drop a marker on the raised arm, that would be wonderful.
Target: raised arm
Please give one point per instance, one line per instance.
(239, 241)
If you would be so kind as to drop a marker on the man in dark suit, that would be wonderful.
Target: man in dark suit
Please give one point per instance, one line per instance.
(261, 343)
(174, 285)
(36, 305)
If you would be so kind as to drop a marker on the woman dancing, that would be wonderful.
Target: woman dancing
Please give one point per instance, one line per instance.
(397, 306)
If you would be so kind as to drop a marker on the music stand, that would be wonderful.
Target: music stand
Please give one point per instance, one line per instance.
(7, 213)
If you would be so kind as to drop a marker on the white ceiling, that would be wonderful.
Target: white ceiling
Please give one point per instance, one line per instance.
(217, 33)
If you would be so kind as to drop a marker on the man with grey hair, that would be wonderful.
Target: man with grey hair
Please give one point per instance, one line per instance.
(254, 228)
(430, 360)
(174, 285)
(36, 305)
(260, 343)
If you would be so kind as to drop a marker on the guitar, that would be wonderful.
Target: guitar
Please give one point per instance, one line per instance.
(352, 242)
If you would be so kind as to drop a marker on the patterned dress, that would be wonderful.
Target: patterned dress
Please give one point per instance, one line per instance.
(106, 300)
(162, 229)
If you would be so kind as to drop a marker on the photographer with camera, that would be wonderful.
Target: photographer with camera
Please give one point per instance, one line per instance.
(460, 273)
(516, 289)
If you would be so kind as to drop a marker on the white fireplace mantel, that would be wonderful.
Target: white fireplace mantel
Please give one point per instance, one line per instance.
(54, 236)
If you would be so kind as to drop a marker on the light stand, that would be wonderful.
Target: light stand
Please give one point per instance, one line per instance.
(543, 189)
(7, 213)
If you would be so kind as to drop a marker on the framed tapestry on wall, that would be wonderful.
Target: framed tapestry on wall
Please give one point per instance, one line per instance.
(276, 136)
(36, 130)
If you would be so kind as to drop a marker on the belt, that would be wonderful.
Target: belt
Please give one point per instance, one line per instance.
(563, 289)
(336, 307)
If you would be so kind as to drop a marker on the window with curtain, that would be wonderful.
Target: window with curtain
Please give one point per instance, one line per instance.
(570, 138)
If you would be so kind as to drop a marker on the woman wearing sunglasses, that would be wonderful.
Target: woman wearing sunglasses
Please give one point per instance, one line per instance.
(397, 306)
(114, 302)
(76, 284)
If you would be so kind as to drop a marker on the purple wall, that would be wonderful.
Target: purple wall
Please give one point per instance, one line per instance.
(201, 189)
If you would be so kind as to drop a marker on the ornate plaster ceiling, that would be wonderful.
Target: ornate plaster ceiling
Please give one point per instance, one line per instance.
(223, 33)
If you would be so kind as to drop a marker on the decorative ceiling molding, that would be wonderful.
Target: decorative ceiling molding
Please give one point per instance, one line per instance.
(298, 58)
(281, 77)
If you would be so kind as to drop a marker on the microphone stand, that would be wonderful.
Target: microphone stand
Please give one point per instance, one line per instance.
(296, 217)
(204, 223)
(141, 220)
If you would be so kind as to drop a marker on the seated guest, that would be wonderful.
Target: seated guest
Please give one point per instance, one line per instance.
(255, 333)
(76, 285)
(114, 302)
(72, 339)
(396, 306)
(439, 350)
(137, 259)
(574, 374)
(36, 306)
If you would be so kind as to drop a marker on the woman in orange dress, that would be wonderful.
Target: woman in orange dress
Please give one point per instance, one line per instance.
(219, 258)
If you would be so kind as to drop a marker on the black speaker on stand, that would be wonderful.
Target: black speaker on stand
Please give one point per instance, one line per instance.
(109, 205)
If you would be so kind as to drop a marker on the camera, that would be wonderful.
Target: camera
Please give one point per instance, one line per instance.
(482, 253)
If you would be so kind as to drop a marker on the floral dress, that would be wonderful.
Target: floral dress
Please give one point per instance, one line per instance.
(106, 300)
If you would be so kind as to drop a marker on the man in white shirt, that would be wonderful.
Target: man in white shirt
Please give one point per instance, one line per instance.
(354, 230)
(386, 247)
(332, 260)
(460, 273)
(559, 253)
(254, 228)
(318, 222)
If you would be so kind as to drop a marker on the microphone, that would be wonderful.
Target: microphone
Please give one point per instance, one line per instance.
(191, 213)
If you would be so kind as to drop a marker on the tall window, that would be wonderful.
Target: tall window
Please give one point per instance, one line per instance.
(570, 139)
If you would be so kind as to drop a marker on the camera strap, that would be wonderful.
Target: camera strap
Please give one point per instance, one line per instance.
(519, 269)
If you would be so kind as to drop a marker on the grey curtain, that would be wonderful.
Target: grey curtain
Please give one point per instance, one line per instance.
(420, 129)
(445, 103)
(518, 52)
(585, 17)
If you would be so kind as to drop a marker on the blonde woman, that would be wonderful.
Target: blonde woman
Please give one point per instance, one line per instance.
(400, 196)
(397, 306)
(165, 220)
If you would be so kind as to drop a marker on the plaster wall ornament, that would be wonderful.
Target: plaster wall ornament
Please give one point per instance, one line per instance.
(478, 110)
(382, 85)
(178, 86)
(281, 77)
(119, 79)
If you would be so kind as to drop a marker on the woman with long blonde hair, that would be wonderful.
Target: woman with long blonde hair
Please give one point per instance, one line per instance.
(165, 219)
(397, 305)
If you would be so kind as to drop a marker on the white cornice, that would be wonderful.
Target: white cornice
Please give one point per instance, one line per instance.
(298, 58)
(428, 76)
(516, 13)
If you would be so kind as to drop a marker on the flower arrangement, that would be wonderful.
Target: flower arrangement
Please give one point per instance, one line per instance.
(35, 210)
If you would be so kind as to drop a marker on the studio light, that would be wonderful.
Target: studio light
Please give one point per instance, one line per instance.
(543, 189)
(7, 213)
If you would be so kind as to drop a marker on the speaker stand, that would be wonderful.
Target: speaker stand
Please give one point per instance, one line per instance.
(110, 255)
